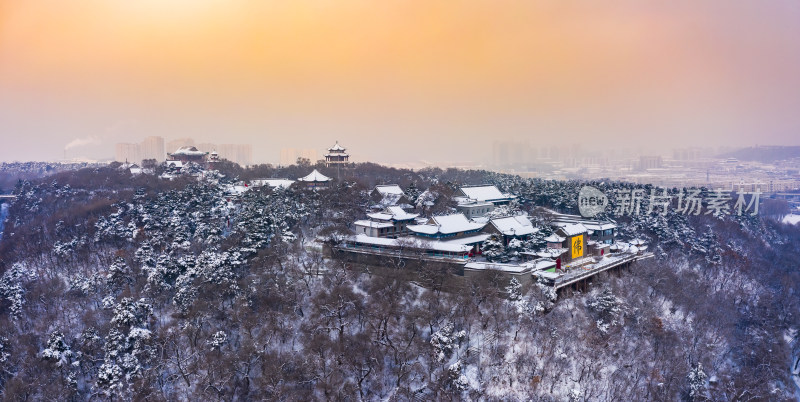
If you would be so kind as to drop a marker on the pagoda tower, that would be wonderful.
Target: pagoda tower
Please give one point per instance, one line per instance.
(336, 156)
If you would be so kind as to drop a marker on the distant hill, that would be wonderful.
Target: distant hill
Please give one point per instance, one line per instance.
(766, 154)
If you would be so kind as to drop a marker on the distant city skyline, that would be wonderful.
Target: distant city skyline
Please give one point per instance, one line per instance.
(397, 81)
(154, 147)
(499, 154)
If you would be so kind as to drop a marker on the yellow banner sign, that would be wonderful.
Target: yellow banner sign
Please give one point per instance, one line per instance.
(577, 247)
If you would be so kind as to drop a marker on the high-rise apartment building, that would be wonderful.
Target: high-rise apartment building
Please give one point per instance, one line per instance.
(649, 162)
(289, 156)
(153, 148)
(126, 152)
(239, 153)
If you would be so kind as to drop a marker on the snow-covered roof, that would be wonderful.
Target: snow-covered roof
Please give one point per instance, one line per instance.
(548, 275)
(629, 247)
(390, 199)
(510, 268)
(379, 241)
(373, 224)
(178, 164)
(384, 189)
(284, 183)
(400, 212)
(481, 219)
(336, 147)
(543, 263)
(455, 223)
(514, 225)
(466, 202)
(449, 247)
(484, 193)
(381, 216)
(554, 238)
(572, 229)
(590, 224)
(599, 225)
(551, 252)
(236, 189)
(393, 213)
(188, 151)
(469, 240)
(423, 229)
(446, 224)
(426, 245)
(314, 176)
(426, 198)
(791, 219)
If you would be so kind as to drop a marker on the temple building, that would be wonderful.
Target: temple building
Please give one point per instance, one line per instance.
(391, 222)
(601, 231)
(389, 195)
(511, 227)
(477, 201)
(451, 229)
(575, 239)
(336, 156)
(188, 154)
(315, 179)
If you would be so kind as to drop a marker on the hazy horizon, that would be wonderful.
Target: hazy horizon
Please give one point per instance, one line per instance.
(396, 81)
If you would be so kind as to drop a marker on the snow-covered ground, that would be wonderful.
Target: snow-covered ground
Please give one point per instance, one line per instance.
(791, 219)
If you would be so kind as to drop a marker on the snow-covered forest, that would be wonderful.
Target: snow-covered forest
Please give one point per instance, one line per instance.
(120, 286)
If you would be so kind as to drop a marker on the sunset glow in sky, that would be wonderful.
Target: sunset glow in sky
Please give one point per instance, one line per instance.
(421, 75)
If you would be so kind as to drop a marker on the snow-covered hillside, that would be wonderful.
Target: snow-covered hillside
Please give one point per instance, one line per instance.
(133, 287)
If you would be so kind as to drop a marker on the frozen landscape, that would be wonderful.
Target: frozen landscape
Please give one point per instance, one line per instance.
(196, 284)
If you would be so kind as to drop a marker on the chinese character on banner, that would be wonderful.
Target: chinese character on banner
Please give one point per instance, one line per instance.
(755, 198)
(691, 204)
(577, 246)
(656, 200)
(718, 202)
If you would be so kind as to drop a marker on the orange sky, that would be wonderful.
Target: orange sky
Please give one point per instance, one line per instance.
(432, 74)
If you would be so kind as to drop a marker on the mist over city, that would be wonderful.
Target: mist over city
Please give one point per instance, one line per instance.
(399, 200)
(78, 77)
